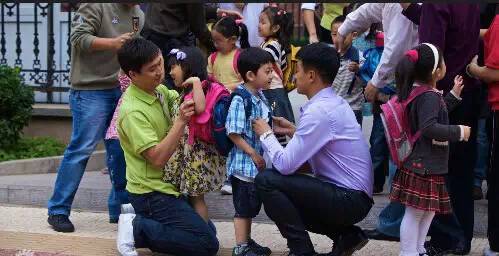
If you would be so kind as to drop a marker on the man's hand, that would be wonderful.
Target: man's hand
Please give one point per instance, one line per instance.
(458, 85)
(258, 160)
(120, 40)
(186, 111)
(354, 67)
(405, 5)
(467, 132)
(283, 126)
(313, 39)
(260, 126)
(237, 15)
(370, 92)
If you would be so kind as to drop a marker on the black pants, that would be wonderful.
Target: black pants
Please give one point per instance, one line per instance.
(460, 178)
(300, 203)
(166, 44)
(493, 185)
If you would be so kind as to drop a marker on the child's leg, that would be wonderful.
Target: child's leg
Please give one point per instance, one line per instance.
(242, 228)
(199, 206)
(409, 231)
(424, 226)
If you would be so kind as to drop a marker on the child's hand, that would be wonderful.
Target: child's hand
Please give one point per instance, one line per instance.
(258, 160)
(191, 81)
(467, 132)
(458, 85)
(353, 67)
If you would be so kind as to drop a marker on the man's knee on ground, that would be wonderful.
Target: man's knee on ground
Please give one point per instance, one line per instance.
(263, 178)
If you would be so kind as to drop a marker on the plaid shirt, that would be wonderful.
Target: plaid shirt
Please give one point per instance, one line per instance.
(238, 162)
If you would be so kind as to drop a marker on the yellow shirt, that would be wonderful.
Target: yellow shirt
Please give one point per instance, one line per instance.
(331, 11)
(223, 70)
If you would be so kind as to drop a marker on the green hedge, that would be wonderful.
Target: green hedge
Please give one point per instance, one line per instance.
(32, 148)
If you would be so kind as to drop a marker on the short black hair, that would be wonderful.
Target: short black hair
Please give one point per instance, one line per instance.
(251, 59)
(321, 57)
(339, 19)
(135, 53)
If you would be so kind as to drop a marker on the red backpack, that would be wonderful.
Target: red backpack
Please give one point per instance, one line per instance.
(395, 120)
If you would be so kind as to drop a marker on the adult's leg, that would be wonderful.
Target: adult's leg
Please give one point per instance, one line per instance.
(298, 203)
(379, 152)
(390, 217)
(460, 180)
(168, 224)
(91, 111)
(493, 186)
(117, 173)
(482, 153)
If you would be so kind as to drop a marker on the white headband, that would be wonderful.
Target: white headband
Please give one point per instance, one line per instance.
(435, 56)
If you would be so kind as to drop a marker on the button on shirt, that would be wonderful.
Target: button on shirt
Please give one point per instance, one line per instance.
(238, 162)
(329, 138)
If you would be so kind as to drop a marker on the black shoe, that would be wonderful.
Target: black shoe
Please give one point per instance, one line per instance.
(347, 244)
(462, 249)
(377, 191)
(113, 220)
(258, 248)
(61, 223)
(376, 235)
(436, 250)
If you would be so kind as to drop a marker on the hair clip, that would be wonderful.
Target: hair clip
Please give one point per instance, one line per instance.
(281, 12)
(273, 5)
(413, 55)
(239, 21)
(224, 14)
(180, 55)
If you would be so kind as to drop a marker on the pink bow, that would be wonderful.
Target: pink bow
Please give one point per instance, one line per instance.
(413, 55)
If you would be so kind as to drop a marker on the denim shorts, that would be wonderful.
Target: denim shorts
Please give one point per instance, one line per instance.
(247, 204)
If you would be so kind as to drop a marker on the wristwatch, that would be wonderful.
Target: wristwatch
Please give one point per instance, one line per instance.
(265, 135)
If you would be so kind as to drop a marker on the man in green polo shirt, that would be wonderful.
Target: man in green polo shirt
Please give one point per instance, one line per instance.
(158, 217)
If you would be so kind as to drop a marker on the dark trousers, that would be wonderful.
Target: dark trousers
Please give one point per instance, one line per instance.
(166, 44)
(379, 151)
(460, 178)
(168, 224)
(300, 203)
(493, 185)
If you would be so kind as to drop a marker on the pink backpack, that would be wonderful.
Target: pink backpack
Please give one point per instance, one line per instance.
(395, 119)
(200, 126)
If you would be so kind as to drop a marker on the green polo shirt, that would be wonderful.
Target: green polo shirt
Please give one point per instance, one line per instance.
(143, 121)
(331, 11)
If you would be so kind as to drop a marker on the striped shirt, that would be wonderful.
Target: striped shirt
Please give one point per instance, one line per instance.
(279, 55)
(238, 162)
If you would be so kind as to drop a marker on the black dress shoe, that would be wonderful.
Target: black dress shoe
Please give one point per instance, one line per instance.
(433, 249)
(347, 244)
(376, 235)
(61, 223)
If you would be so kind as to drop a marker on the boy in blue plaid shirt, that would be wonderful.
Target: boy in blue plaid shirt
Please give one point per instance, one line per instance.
(245, 159)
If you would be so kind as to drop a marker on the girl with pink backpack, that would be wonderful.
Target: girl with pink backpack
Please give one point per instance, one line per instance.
(418, 134)
(196, 167)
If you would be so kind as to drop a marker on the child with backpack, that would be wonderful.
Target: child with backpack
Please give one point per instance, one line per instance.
(418, 134)
(222, 64)
(196, 167)
(245, 158)
(346, 83)
(276, 26)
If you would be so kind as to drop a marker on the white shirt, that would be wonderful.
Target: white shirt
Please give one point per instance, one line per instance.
(401, 35)
(251, 13)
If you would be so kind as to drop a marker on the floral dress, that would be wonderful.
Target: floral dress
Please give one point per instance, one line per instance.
(195, 169)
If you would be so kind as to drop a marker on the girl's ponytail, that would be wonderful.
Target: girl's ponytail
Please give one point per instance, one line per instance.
(286, 31)
(243, 34)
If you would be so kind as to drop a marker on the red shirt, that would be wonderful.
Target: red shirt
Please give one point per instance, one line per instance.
(491, 50)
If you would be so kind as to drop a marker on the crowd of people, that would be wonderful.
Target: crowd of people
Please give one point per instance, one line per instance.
(193, 98)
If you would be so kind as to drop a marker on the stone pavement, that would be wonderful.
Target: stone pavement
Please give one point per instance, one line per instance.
(24, 231)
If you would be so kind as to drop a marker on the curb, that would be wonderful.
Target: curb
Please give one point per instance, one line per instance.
(48, 164)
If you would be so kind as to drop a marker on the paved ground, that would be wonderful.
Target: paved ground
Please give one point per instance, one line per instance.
(24, 231)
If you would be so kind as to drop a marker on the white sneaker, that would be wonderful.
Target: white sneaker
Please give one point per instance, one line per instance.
(226, 189)
(489, 252)
(124, 240)
(127, 208)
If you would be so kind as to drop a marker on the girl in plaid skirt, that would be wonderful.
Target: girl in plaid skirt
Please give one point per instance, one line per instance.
(420, 184)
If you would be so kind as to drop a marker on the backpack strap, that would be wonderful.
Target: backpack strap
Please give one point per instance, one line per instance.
(213, 57)
(246, 100)
(416, 91)
(235, 59)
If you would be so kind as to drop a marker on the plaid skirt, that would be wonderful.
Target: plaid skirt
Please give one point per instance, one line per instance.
(423, 192)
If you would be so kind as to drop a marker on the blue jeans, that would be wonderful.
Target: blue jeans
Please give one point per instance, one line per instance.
(168, 224)
(390, 217)
(92, 111)
(117, 173)
(482, 153)
(379, 151)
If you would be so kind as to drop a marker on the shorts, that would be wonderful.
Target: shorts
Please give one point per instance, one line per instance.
(247, 204)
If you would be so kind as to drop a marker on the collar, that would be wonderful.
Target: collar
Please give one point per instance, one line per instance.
(255, 99)
(324, 93)
(141, 94)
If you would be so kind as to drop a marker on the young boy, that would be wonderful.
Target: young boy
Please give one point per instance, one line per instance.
(346, 83)
(159, 219)
(245, 159)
